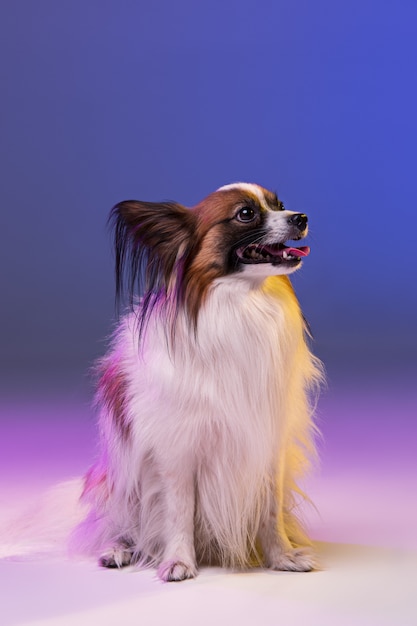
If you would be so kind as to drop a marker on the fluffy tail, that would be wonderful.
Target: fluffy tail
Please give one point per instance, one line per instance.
(43, 527)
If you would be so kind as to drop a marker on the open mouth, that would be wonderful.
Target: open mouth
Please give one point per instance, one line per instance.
(273, 253)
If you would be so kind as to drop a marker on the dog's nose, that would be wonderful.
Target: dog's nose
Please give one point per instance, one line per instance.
(298, 219)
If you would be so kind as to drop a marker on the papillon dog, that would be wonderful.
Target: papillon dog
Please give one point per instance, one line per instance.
(205, 394)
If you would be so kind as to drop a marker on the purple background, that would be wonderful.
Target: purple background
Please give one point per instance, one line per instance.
(103, 101)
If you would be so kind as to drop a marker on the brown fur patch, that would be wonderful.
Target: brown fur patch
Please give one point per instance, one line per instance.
(215, 234)
(272, 200)
(112, 389)
(222, 204)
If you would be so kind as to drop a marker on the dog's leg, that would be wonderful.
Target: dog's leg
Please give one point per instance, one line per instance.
(179, 560)
(279, 553)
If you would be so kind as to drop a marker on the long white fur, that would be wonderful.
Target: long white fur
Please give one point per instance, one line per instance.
(222, 428)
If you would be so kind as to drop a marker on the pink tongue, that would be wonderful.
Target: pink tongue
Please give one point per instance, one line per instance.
(302, 251)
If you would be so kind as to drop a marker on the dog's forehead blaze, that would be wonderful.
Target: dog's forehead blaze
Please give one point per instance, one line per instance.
(263, 197)
(223, 202)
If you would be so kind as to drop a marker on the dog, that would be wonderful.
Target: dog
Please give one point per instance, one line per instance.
(206, 411)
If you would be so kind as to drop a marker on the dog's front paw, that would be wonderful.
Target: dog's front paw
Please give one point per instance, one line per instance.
(294, 560)
(174, 571)
(116, 558)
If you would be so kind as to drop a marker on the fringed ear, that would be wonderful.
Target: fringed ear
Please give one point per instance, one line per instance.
(150, 240)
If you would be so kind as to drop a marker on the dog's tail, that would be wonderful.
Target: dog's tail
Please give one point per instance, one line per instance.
(42, 529)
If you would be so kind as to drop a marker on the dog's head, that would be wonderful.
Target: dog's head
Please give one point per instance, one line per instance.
(246, 230)
(178, 252)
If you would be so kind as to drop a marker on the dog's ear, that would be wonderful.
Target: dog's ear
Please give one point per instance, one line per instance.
(151, 239)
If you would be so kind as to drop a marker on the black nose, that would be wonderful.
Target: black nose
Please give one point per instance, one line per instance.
(299, 219)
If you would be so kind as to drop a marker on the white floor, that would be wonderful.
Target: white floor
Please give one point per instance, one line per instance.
(366, 531)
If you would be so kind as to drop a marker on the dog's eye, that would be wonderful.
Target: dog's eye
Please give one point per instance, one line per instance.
(281, 206)
(246, 214)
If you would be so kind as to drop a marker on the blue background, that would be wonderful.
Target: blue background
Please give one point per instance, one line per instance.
(107, 100)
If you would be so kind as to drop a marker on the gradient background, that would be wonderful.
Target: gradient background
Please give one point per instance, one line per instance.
(107, 100)
(104, 100)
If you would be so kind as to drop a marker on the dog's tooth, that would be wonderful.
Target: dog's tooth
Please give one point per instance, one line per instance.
(285, 255)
